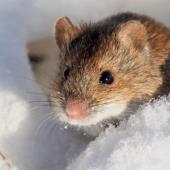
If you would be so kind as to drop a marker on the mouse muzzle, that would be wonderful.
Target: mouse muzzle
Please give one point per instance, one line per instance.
(76, 109)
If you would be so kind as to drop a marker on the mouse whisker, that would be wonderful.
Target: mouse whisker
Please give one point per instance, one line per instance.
(43, 122)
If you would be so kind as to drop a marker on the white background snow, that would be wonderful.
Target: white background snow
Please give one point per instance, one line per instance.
(33, 141)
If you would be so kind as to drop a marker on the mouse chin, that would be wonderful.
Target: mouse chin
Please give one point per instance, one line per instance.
(97, 115)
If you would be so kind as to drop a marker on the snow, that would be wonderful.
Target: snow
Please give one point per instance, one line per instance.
(27, 136)
(141, 144)
(31, 139)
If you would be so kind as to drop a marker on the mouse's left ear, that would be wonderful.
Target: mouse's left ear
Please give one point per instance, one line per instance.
(65, 31)
(133, 34)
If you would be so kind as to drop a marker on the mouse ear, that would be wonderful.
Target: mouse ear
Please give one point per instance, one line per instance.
(133, 34)
(65, 31)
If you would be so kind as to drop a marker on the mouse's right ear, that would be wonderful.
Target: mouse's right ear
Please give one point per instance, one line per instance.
(65, 31)
(133, 34)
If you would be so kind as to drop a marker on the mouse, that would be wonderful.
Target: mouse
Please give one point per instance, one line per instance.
(109, 68)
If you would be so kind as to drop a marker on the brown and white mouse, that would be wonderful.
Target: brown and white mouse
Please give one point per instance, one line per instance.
(109, 68)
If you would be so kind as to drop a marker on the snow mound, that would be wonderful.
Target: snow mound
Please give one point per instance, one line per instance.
(141, 144)
(29, 138)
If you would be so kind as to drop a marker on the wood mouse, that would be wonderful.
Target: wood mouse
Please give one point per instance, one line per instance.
(109, 68)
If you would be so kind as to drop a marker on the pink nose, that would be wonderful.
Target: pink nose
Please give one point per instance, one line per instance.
(76, 109)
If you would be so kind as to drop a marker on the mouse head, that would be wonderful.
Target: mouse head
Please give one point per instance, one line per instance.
(106, 70)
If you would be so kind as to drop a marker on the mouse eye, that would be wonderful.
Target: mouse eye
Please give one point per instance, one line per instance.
(106, 77)
(66, 72)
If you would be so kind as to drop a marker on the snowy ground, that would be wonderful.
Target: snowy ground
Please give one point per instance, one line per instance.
(30, 139)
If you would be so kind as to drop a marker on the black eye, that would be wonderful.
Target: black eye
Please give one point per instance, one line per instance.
(106, 78)
(66, 72)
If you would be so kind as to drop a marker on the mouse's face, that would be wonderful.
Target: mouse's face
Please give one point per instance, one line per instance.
(102, 78)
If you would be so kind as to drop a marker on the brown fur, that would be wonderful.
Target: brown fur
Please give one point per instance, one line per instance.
(135, 48)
